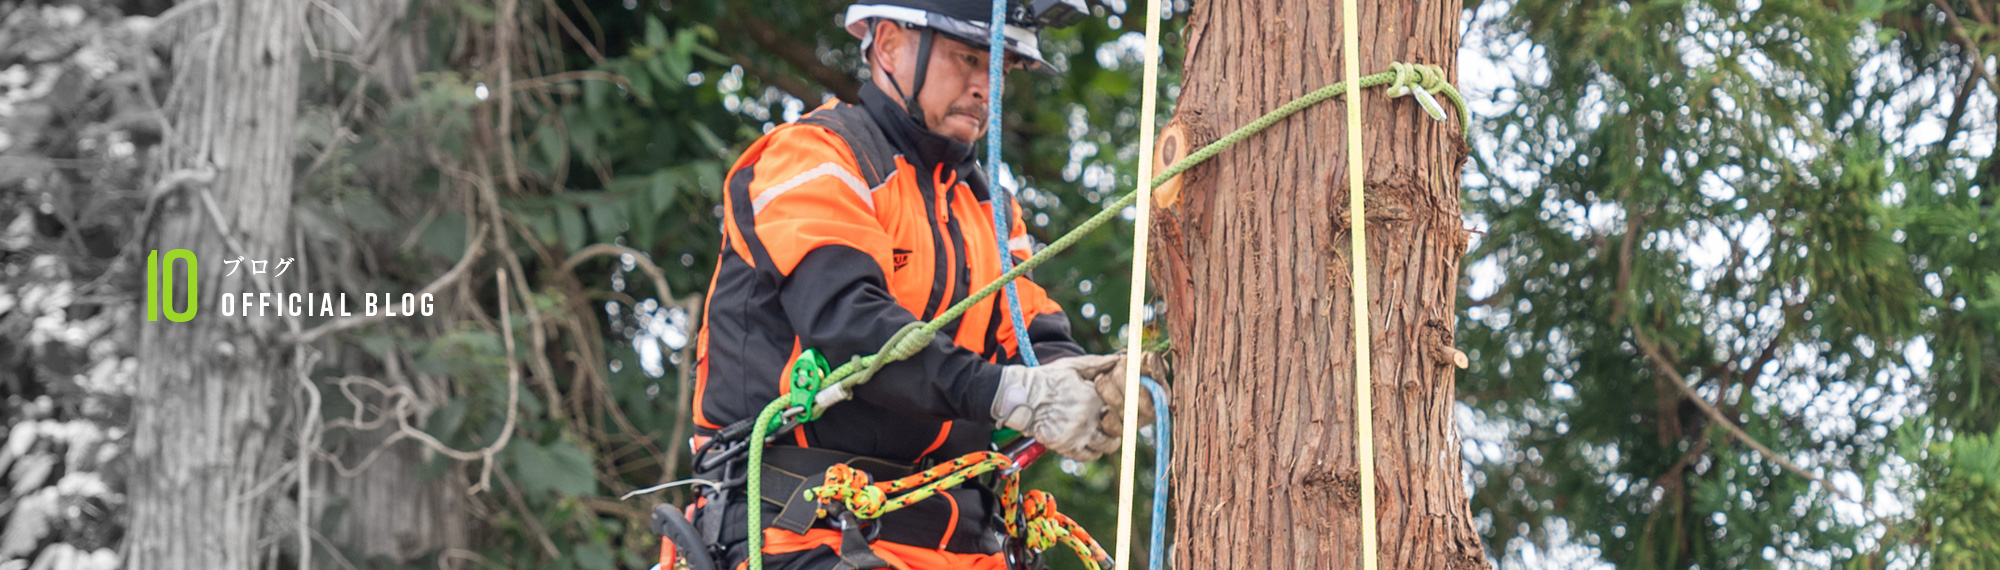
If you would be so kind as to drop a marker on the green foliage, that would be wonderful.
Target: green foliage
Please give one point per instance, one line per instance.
(560, 467)
(1736, 184)
(1961, 501)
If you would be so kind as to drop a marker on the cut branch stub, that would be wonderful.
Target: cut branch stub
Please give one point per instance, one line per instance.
(1172, 147)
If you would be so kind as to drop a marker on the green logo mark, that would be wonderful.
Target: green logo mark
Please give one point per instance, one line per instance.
(160, 288)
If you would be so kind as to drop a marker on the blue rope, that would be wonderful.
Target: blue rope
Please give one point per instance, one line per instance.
(1003, 226)
(1156, 558)
(996, 61)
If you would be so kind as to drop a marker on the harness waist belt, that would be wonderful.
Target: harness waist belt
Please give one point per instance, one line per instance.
(957, 520)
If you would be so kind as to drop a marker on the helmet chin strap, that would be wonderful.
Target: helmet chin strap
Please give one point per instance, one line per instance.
(910, 103)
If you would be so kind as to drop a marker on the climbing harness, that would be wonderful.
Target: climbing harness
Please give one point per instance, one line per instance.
(850, 494)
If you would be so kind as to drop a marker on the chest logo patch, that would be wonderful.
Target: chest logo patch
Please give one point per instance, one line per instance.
(901, 257)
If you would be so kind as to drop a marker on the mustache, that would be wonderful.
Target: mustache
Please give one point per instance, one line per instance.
(974, 111)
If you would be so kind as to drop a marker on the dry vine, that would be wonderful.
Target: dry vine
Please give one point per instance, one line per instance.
(564, 352)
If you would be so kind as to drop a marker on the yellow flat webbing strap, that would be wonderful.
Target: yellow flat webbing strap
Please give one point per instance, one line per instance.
(1135, 324)
(1357, 223)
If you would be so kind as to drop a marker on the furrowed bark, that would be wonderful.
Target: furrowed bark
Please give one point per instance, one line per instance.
(1254, 247)
(206, 434)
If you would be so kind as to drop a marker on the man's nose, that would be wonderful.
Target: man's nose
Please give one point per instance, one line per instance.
(981, 85)
(980, 90)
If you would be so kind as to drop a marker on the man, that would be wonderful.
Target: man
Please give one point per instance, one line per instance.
(841, 228)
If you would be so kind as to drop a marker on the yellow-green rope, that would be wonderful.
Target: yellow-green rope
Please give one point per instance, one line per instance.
(1357, 223)
(1128, 448)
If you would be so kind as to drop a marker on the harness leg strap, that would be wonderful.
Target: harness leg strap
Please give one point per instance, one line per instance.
(855, 553)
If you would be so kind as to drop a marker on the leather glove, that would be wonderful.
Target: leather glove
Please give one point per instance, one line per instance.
(1057, 405)
(1110, 386)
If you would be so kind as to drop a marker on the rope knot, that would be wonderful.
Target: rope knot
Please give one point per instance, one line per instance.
(1042, 528)
(908, 341)
(1422, 80)
(854, 489)
(1419, 75)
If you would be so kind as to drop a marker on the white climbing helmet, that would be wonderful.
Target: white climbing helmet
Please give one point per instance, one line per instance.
(966, 21)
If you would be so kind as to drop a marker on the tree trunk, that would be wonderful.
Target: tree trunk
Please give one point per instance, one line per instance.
(391, 509)
(1255, 251)
(207, 444)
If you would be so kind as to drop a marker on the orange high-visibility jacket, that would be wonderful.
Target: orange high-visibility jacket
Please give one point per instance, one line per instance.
(838, 230)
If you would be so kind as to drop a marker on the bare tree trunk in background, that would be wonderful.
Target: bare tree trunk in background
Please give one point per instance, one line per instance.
(393, 510)
(1255, 251)
(207, 443)
(384, 38)
(390, 508)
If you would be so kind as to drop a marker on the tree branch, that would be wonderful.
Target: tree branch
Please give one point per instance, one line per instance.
(1659, 363)
(405, 398)
(1663, 364)
(552, 79)
(1965, 41)
(803, 57)
(1951, 123)
(530, 518)
(771, 77)
(1674, 481)
(692, 305)
(590, 48)
(473, 249)
(1979, 12)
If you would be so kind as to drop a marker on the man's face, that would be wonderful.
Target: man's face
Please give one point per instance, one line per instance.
(955, 86)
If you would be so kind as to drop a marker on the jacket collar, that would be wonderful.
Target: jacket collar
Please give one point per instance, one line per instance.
(924, 148)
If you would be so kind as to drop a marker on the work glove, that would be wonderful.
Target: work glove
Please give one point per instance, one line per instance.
(1057, 405)
(1110, 385)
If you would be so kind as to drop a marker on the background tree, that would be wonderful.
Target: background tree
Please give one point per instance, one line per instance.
(1732, 293)
(203, 420)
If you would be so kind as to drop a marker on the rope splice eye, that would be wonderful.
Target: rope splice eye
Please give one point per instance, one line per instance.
(1420, 79)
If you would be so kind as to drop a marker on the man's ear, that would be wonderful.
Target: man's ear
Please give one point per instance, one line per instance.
(889, 39)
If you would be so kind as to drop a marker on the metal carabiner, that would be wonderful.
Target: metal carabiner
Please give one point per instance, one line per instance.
(869, 530)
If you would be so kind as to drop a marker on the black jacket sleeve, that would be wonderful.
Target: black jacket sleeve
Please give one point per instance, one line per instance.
(1049, 332)
(839, 302)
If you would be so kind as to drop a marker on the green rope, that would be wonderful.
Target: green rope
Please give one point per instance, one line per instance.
(1403, 79)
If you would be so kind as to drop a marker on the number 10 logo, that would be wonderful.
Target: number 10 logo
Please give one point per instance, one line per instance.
(160, 286)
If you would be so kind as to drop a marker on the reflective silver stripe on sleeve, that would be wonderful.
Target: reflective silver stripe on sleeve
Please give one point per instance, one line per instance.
(825, 169)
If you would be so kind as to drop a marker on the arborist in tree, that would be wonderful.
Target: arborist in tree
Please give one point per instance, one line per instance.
(840, 229)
